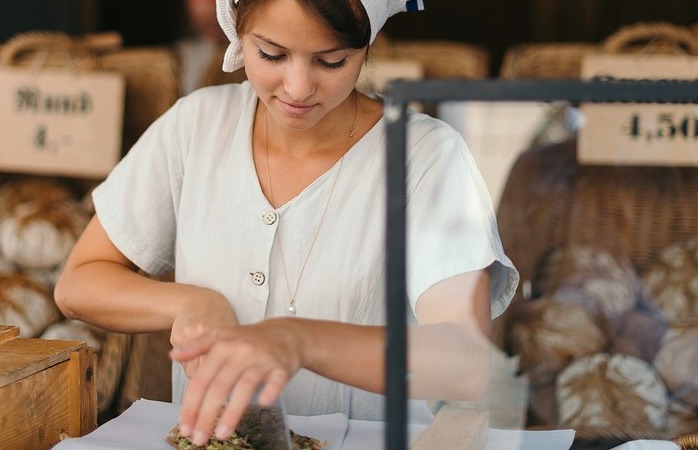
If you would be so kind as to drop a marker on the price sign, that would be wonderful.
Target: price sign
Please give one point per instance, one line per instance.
(639, 134)
(60, 122)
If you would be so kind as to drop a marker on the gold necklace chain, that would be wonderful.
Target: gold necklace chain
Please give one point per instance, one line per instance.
(292, 293)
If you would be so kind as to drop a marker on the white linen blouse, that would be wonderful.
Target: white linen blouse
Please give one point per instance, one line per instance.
(187, 197)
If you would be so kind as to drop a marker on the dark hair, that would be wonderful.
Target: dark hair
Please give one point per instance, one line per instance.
(346, 18)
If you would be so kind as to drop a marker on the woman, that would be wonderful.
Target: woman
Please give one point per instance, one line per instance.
(267, 198)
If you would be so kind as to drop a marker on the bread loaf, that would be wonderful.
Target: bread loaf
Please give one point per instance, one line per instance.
(611, 392)
(670, 284)
(548, 335)
(18, 190)
(607, 286)
(676, 361)
(26, 303)
(639, 333)
(40, 219)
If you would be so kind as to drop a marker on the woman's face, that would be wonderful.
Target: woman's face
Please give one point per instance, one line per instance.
(295, 64)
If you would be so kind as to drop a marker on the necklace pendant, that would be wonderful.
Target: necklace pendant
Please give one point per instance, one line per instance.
(292, 307)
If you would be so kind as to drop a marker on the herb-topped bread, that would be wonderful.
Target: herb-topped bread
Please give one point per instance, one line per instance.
(237, 442)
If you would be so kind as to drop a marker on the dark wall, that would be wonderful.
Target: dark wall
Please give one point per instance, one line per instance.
(26, 15)
(148, 22)
(492, 23)
(498, 24)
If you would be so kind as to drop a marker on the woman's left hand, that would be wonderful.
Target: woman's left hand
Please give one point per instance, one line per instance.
(234, 364)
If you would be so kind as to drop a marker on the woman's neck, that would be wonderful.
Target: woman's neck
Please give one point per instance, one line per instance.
(329, 136)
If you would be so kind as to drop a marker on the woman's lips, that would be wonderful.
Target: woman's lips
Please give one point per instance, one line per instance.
(297, 110)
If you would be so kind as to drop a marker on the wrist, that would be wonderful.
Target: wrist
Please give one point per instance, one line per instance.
(300, 334)
(187, 298)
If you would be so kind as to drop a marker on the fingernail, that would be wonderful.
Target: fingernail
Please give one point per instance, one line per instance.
(185, 430)
(223, 432)
(200, 438)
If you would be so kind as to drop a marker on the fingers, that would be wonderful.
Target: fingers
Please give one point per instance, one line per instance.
(229, 383)
(275, 382)
(190, 367)
(227, 373)
(198, 412)
(240, 398)
(230, 367)
(244, 393)
(206, 395)
(194, 348)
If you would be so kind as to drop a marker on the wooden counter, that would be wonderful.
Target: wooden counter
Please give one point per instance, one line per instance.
(47, 389)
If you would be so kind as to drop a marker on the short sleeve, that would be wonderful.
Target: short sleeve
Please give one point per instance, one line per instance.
(451, 225)
(137, 203)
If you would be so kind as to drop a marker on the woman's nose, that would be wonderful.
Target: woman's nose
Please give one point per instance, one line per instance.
(298, 82)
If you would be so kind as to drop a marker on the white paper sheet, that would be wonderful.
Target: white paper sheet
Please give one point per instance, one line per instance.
(145, 424)
(529, 440)
(367, 435)
(363, 435)
(648, 444)
(142, 426)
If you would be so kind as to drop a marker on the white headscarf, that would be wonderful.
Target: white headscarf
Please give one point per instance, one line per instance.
(378, 13)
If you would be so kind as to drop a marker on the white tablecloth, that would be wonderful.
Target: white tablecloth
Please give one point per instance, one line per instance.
(144, 425)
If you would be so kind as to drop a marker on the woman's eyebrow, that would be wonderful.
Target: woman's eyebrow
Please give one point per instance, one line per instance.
(271, 42)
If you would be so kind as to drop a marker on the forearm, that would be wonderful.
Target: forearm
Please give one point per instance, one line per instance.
(447, 361)
(235, 361)
(350, 354)
(444, 360)
(101, 286)
(114, 297)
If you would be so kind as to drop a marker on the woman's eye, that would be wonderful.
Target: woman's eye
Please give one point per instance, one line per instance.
(268, 57)
(277, 58)
(333, 65)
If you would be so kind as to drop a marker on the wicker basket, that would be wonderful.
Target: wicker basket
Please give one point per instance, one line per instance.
(687, 441)
(440, 59)
(550, 201)
(652, 37)
(619, 209)
(151, 73)
(564, 60)
(546, 61)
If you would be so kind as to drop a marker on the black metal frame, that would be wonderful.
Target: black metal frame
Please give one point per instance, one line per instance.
(397, 95)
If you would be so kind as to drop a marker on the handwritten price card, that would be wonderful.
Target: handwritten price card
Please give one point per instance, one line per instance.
(60, 122)
(639, 134)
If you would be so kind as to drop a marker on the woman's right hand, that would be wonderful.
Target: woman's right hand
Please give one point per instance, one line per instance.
(206, 311)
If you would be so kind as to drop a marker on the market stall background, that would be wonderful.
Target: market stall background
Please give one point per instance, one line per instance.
(489, 39)
(495, 24)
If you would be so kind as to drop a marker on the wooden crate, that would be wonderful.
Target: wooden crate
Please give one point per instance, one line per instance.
(47, 390)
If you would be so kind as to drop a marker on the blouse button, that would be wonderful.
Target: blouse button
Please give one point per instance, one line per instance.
(258, 278)
(269, 217)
